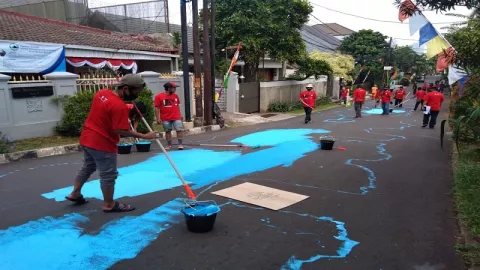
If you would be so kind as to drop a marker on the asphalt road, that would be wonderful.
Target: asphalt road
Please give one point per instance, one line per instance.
(384, 203)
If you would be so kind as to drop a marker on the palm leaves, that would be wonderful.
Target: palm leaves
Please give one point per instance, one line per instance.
(467, 126)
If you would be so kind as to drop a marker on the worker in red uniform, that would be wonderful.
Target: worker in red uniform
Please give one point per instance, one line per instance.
(359, 98)
(399, 96)
(344, 95)
(434, 100)
(386, 97)
(420, 94)
(308, 98)
(167, 112)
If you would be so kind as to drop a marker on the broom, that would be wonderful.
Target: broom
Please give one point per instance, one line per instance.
(185, 185)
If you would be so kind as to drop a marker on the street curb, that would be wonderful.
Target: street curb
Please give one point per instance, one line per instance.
(72, 148)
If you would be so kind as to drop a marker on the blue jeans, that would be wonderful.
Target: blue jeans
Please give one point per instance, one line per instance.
(104, 162)
(170, 125)
(386, 108)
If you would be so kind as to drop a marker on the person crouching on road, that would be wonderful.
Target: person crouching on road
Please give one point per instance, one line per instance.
(308, 98)
(434, 99)
(359, 98)
(420, 94)
(134, 116)
(386, 97)
(167, 112)
(344, 95)
(399, 96)
(106, 121)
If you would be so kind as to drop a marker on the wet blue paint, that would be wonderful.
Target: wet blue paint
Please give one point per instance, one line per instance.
(124, 144)
(127, 236)
(143, 143)
(380, 111)
(201, 210)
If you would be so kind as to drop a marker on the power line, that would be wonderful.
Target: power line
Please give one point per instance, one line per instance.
(372, 19)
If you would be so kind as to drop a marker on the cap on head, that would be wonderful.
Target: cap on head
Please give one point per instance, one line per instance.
(309, 85)
(132, 80)
(401, 87)
(169, 85)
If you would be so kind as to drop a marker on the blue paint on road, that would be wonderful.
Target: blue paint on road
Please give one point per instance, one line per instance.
(380, 111)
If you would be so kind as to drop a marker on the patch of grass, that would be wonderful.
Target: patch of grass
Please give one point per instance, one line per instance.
(467, 187)
(43, 142)
(317, 109)
(470, 254)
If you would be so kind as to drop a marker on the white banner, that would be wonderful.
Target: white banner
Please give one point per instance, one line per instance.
(29, 57)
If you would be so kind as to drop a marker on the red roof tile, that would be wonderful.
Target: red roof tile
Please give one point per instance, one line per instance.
(19, 27)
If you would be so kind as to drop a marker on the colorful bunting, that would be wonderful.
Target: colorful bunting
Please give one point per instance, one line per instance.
(427, 33)
(446, 58)
(406, 8)
(436, 46)
(417, 21)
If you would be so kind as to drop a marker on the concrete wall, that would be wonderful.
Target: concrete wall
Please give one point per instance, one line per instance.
(22, 118)
(288, 91)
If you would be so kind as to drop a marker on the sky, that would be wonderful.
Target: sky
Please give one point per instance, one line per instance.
(383, 10)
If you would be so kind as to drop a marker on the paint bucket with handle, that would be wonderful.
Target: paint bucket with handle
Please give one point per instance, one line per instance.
(142, 146)
(192, 201)
(124, 148)
(326, 142)
(201, 217)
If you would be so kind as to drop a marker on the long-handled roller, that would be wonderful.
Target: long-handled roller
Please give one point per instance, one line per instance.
(221, 145)
(185, 185)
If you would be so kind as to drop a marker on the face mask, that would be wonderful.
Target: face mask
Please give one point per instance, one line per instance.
(130, 96)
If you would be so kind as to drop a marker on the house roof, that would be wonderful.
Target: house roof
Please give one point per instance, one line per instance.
(316, 39)
(334, 29)
(20, 27)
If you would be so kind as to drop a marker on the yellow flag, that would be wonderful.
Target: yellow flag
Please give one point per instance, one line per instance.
(436, 46)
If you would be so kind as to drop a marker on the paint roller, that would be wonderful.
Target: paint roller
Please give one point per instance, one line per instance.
(222, 145)
(189, 191)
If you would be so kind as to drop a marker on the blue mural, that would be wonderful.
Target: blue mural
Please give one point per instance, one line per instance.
(65, 244)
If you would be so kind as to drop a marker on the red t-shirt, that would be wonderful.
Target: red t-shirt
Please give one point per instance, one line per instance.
(169, 106)
(420, 94)
(399, 94)
(344, 93)
(386, 96)
(359, 95)
(108, 113)
(309, 98)
(434, 100)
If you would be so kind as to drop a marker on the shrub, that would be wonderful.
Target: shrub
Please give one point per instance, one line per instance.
(6, 144)
(404, 81)
(77, 107)
(75, 111)
(285, 106)
(323, 101)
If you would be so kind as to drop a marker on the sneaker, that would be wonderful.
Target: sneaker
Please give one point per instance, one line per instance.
(180, 147)
(424, 126)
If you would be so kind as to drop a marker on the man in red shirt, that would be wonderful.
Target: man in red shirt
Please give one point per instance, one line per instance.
(106, 121)
(399, 96)
(308, 98)
(359, 98)
(167, 112)
(420, 94)
(434, 100)
(386, 97)
(344, 95)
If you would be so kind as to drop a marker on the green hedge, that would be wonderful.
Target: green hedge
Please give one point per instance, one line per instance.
(285, 106)
(77, 107)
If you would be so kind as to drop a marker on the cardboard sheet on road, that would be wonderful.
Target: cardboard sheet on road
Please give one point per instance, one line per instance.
(271, 198)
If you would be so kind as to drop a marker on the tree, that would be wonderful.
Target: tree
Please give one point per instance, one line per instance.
(443, 5)
(465, 41)
(308, 67)
(342, 65)
(267, 27)
(369, 48)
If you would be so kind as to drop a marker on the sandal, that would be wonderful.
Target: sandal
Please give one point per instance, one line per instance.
(168, 147)
(78, 201)
(120, 207)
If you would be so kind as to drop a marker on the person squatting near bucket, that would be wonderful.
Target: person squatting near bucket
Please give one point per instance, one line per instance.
(106, 121)
(134, 116)
(167, 112)
(308, 99)
(434, 100)
(359, 99)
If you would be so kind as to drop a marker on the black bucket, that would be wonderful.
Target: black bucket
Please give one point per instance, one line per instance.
(201, 217)
(143, 146)
(326, 143)
(124, 148)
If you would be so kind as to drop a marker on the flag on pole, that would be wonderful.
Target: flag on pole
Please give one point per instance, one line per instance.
(227, 77)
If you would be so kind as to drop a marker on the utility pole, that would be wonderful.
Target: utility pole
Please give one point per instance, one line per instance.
(207, 68)
(212, 51)
(186, 73)
(387, 62)
(197, 67)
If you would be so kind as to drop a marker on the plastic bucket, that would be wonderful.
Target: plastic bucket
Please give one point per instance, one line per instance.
(201, 217)
(124, 148)
(143, 146)
(326, 143)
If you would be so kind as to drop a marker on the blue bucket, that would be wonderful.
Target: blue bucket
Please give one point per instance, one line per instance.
(201, 217)
(124, 148)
